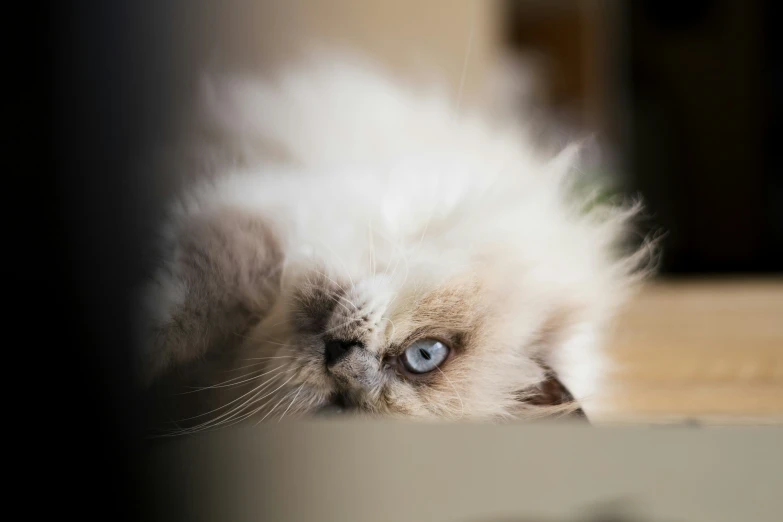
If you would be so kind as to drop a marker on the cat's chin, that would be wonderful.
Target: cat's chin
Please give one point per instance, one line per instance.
(329, 410)
(338, 404)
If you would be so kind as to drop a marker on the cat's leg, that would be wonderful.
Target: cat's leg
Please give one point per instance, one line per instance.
(219, 274)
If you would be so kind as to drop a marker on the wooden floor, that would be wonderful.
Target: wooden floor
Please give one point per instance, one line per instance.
(709, 351)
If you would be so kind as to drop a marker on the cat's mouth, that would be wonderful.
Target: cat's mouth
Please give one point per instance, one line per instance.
(328, 410)
(336, 405)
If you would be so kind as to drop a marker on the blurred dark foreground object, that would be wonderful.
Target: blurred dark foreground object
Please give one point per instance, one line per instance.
(384, 471)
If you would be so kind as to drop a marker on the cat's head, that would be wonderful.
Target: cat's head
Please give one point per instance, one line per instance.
(456, 322)
(416, 342)
(410, 264)
(468, 319)
(488, 311)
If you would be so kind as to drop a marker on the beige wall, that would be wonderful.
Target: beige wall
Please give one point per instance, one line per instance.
(405, 35)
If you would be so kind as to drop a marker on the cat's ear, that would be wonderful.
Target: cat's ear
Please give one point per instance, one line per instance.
(219, 274)
(552, 394)
(560, 335)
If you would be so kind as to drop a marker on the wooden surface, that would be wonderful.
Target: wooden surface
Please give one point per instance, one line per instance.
(711, 351)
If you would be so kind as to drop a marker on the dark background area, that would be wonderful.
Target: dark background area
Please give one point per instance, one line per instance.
(111, 64)
(686, 96)
(704, 89)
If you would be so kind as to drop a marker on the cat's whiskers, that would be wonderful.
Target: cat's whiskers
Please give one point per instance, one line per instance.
(221, 420)
(274, 395)
(342, 289)
(261, 317)
(269, 340)
(401, 254)
(259, 363)
(394, 327)
(272, 410)
(262, 339)
(465, 61)
(277, 371)
(343, 325)
(247, 414)
(407, 269)
(227, 383)
(426, 225)
(270, 357)
(395, 247)
(329, 278)
(255, 390)
(337, 300)
(347, 272)
(292, 402)
(463, 74)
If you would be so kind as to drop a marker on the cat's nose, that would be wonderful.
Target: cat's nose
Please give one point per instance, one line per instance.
(336, 349)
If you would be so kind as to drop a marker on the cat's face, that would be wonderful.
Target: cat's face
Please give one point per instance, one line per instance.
(398, 259)
(427, 340)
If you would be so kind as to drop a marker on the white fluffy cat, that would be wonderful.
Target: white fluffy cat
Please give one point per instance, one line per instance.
(364, 244)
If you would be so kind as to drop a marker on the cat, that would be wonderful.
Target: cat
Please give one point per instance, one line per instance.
(363, 245)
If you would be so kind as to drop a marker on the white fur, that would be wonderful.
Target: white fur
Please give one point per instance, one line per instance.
(385, 178)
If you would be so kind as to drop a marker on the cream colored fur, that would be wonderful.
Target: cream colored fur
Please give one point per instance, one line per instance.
(345, 201)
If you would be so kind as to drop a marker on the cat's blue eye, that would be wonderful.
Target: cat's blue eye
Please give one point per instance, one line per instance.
(424, 356)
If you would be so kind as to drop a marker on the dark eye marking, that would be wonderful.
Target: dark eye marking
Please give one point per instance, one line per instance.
(315, 305)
